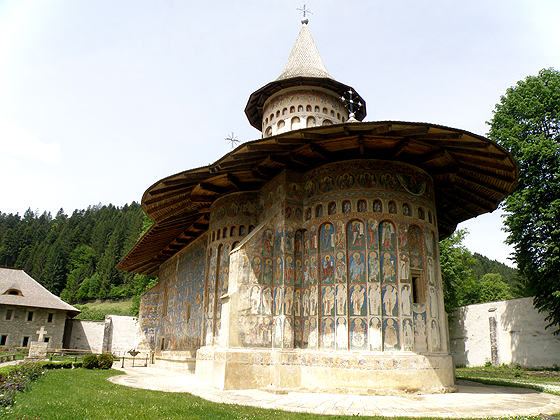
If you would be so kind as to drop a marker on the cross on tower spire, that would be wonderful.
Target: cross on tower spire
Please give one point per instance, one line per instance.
(304, 11)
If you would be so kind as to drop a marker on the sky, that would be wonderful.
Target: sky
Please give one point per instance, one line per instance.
(101, 99)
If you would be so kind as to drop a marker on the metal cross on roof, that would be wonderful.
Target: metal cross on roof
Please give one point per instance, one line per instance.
(232, 139)
(304, 10)
(351, 102)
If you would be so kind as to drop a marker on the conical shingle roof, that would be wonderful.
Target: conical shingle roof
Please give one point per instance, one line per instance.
(304, 68)
(304, 60)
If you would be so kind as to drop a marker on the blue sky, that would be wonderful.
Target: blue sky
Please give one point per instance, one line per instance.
(99, 100)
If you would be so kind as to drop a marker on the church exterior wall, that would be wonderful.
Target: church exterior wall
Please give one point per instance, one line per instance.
(342, 259)
(171, 312)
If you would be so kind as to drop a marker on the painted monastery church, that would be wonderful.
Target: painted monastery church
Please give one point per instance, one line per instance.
(308, 259)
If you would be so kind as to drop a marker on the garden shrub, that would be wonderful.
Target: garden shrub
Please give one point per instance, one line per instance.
(77, 365)
(105, 361)
(65, 365)
(18, 379)
(90, 361)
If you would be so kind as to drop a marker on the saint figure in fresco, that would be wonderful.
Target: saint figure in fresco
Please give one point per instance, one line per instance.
(389, 299)
(358, 333)
(288, 300)
(327, 269)
(340, 270)
(357, 267)
(404, 267)
(405, 299)
(297, 303)
(312, 300)
(374, 298)
(278, 299)
(341, 333)
(388, 267)
(328, 300)
(255, 299)
(391, 337)
(375, 334)
(339, 236)
(328, 333)
(387, 236)
(372, 233)
(267, 301)
(356, 233)
(408, 337)
(326, 239)
(373, 266)
(267, 241)
(357, 299)
(341, 299)
(306, 302)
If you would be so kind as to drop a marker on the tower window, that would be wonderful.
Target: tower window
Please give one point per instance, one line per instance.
(25, 342)
(9, 314)
(3, 339)
(30, 316)
(418, 295)
(50, 317)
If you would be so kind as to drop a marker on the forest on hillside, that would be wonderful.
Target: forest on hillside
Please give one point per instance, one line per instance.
(75, 257)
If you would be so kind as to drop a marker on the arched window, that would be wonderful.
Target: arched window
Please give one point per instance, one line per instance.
(251, 227)
(308, 214)
(271, 117)
(292, 109)
(332, 113)
(295, 120)
(300, 108)
(421, 213)
(332, 208)
(317, 109)
(284, 111)
(327, 122)
(242, 230)
(232, 231)
(308, 108)
(213, 236)
(362, 206)
(406, 209)
(338, 115)
(392, 207)
(429, 216)
(281, 124)
(377, 206)
(319, 210)
(13, 292)
(325, 111)
(218, 234)
(346, 206)
(269, 131)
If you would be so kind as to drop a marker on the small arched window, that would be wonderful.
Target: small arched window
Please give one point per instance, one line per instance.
(277, 113)
(308, 108)
(224, 234)
(242, 230)
(268, 131)
(13, 292)
(232, 231)
(300, 108)
(319, 210)
(281, 124)
(325, 111)
(420, 213)
(332, 113)
(317, 109)
(332, 208)
(292, 109)
(377, 206)
(346, 206)
(392, 207)
(362, 206)
(284, 111)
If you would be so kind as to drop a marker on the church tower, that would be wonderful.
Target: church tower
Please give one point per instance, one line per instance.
(305, 94)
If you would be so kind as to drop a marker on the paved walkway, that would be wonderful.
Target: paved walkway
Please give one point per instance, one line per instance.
(472, 400)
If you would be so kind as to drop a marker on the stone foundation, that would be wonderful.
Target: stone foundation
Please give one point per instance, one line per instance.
(319, 371)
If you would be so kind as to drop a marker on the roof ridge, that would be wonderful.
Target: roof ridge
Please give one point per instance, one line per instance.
(304, 60)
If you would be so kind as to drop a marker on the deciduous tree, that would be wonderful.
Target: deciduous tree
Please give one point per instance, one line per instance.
(527, 123)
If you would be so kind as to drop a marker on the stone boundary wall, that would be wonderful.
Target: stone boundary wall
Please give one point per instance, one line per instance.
(510, 331)
(116, 334)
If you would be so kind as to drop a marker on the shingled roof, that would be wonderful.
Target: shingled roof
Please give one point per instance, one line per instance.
(29, 292)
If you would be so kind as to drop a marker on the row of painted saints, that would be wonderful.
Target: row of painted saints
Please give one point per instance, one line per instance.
(357, 300)
(374, 334)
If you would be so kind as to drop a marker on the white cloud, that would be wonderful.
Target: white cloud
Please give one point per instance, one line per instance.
(16, 142)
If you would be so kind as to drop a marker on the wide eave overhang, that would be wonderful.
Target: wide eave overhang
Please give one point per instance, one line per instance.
(471, 174)
(255, 105)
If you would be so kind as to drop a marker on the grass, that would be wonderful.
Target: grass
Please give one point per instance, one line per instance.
(97, 310)
(81, 394)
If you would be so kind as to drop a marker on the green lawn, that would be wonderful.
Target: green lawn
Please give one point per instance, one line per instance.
(81, 394)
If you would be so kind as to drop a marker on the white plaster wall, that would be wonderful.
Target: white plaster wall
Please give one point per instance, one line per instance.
(122, 333)
(87, 335)
(520, 333)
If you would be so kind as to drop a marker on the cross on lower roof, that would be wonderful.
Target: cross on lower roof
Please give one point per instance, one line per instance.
(41, 333)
